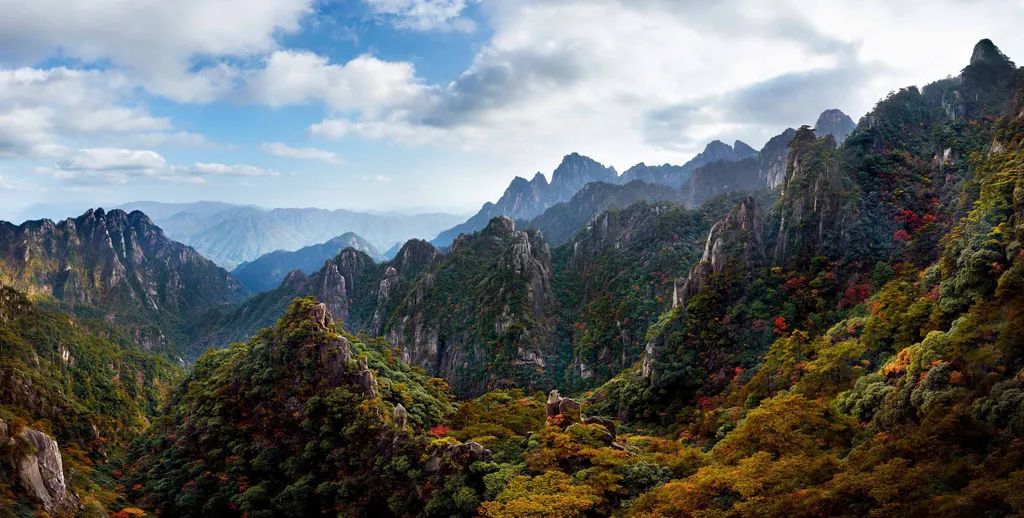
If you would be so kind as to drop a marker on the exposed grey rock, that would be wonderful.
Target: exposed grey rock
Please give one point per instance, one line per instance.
(836, 123)
(553, 400)
(41, 472)
(266, 271)
(320, 315)
(567, 409)
(456, 457)
(772, 159)
(737, 240)
(400, 416)
(366, 380)
(335, 356)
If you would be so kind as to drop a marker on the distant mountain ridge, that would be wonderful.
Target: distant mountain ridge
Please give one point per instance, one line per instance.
(232, 234)
(150, 286)
(718, 169)
(525, 199)
(266, 272)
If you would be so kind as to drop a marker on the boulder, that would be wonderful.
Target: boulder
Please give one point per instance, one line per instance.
(400, 416)
(41, 473)
(321, 316)
(608, 424)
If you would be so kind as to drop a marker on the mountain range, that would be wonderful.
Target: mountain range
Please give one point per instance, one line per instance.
(829, 326)
(267, 271)
(232, 234)
(718, 169)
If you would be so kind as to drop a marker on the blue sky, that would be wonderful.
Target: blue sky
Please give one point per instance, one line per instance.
(413, 105)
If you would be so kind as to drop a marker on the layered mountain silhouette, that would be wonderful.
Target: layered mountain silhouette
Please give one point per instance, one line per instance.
(232, 234)
(267, 271)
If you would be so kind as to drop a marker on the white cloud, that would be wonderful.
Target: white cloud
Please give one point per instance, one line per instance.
(217, 169)
(378, 178)
(113, 159)
(9, 185)
(282, 150)
(365, 83)
(424, 15)
(39, 108)
(170, 47)
(105, 166)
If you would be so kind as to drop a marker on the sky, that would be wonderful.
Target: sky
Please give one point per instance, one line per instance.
(414, 105)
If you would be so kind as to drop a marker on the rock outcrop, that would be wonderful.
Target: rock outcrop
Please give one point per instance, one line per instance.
(772, 159)
(456, 457)
(721, 177)
(266, 272)
(834, 122)
(494, 287)
(812, 212)
(566, 412)
(736, 241)
(40, 470)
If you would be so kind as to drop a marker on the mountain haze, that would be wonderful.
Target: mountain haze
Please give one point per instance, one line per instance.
(267, 271)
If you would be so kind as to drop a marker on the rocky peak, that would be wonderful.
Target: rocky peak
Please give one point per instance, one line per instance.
(294, 278)
(735, 241)
(986, 52)
(835, 123)
(577, 170)
(121, 263)
(414, 253)
(742, 150)
(811, 204)
(772, 159)
(717, 150)
(501, 225)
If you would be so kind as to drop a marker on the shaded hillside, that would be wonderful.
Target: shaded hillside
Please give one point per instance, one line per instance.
(267, 271)
(359, 292)
(484, 316)
(119, 264)
(303, 419)
(81, 395)
(562, 221)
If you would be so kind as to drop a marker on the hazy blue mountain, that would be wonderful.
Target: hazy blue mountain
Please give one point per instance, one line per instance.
(266, 272)
(232, 234)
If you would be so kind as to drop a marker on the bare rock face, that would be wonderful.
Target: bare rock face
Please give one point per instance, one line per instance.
(113, 260)
(562, 411)
(41, 473)
(456, 457)
(772, 159)
(736, 241)
(366, 380)
(554, 398)
(812, 200)
(320, 315)
(834, 122)
(566, 412)
(400, 416)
